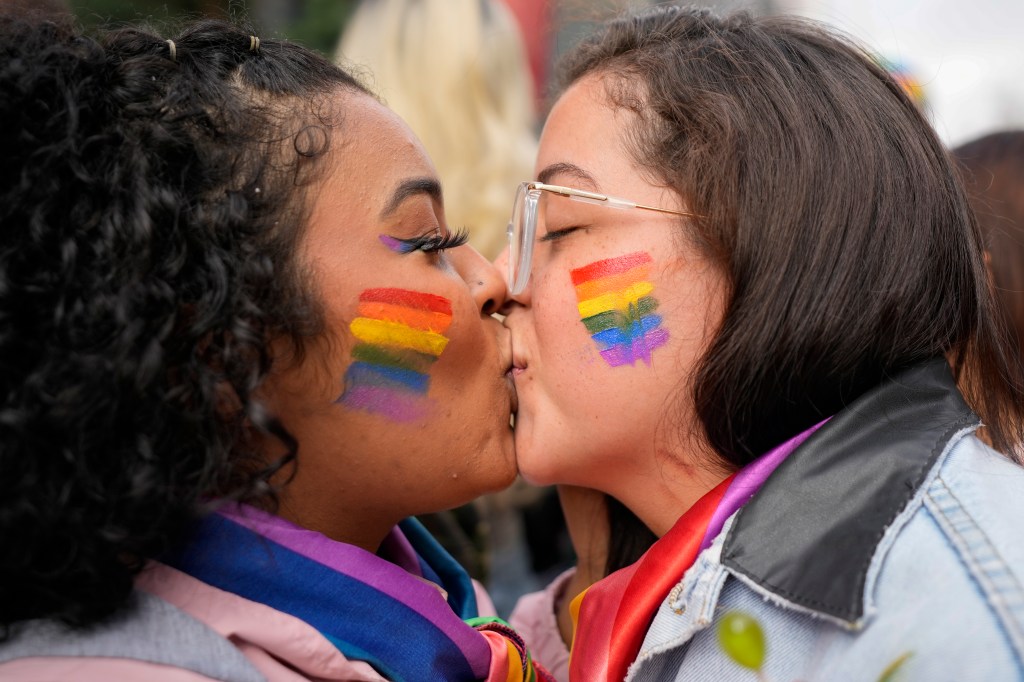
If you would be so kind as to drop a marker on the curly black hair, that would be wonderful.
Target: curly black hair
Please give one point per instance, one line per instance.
(151, 197)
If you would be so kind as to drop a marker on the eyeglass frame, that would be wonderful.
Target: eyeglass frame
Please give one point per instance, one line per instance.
(523, 194)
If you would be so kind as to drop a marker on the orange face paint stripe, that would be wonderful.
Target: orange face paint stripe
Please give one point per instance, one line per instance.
(424, 320)
(610, 284)
(610, 266)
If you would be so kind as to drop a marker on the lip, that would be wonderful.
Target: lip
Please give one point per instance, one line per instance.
(509, 364)
(513, 395)
(518, 364)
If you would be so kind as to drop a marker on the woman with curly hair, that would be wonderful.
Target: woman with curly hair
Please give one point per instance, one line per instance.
(239, 349)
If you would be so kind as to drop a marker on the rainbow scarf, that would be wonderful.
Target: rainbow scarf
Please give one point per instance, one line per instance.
(374, 609)
(612, 616)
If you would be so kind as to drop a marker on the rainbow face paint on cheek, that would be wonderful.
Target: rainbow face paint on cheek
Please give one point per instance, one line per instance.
(399, 334)
(616, 306)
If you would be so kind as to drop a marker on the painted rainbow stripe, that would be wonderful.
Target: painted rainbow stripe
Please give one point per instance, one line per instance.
(616, 307)
(400, 334)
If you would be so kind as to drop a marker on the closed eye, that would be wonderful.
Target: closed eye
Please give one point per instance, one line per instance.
(433, 242)
(555, 235)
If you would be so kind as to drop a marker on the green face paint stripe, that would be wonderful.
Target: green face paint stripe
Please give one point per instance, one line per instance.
(602, 321)
(616, 318)
(406, 359)
(647, 304)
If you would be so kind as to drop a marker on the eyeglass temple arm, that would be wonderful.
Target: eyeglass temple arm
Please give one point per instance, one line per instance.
(602, 199)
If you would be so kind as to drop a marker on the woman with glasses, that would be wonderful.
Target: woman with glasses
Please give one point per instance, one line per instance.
(240, 348)
(749, 314)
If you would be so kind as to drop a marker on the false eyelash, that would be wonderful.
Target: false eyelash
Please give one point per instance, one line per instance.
(431, 243)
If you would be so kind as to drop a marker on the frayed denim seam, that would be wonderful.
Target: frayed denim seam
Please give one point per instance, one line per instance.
(1001, 588)
(707, 576)
(910, 502)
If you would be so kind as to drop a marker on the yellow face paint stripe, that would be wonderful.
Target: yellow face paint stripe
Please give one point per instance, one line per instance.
(618, 300)
(395, 334)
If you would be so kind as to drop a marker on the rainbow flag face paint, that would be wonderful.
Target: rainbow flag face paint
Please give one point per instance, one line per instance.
(400, 334)
(617, 308)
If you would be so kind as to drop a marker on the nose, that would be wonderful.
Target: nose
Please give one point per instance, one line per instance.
(523, 297)
(484, 280)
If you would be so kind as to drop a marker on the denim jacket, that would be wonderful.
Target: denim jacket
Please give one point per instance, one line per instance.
(889, 546)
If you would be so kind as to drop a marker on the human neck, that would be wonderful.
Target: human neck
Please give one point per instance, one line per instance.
(660, 496)
(353, 527)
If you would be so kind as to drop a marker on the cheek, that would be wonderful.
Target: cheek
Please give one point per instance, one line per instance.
(398, 336)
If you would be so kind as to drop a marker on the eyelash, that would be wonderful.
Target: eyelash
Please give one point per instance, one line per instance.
(432, 243)
(559, 234)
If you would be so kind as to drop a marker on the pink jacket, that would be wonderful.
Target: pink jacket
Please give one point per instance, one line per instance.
(534, 619)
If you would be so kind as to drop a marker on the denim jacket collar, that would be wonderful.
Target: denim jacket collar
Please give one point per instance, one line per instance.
(810, 534)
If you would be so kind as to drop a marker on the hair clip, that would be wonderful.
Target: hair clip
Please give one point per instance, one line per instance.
(172, 49)
(254, 44)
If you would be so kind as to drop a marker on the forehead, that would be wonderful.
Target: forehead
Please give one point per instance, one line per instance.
(373, 145)
(585, 130)
(372, 152)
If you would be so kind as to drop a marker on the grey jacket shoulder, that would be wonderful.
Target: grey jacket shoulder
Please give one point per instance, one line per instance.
(149, 629)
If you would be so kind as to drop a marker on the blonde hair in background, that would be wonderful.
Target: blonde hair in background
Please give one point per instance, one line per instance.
(456, 71)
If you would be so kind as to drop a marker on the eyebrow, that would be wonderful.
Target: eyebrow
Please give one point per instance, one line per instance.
(569, 169)
(410, 188)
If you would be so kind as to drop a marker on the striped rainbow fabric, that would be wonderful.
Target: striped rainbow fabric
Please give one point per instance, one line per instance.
(374, 609)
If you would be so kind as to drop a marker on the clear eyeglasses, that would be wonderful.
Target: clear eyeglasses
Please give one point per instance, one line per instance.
(523, 226)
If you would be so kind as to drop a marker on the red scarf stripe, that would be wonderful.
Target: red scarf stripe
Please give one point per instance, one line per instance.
(616, 612)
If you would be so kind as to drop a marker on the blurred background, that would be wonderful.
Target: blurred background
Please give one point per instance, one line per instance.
(966, 57)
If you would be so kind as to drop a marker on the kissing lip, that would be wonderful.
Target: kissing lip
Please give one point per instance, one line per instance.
(518, 362)
(513, 395)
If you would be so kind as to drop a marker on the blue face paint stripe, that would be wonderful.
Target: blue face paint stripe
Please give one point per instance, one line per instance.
(638, 328)
(366, 374)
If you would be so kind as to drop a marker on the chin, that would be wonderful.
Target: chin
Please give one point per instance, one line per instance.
(506, 470)
(533, 470)
(536, 473)
(494, 482)
(505, 481)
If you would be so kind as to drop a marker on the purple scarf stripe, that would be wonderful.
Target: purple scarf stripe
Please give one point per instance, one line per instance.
(368, 568)
(749, 480)
(397, 549)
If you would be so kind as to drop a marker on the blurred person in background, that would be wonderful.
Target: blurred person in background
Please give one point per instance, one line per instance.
(994, 174)
(457, 72)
